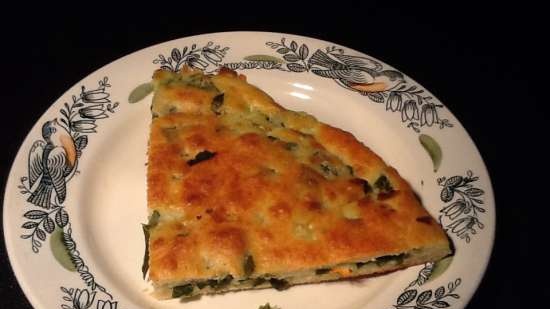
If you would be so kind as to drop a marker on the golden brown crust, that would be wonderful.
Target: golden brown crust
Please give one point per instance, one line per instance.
(279, 186)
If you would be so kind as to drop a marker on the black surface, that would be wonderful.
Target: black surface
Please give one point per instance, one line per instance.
(473, 59)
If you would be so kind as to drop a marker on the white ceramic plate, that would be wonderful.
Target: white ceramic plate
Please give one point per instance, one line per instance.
(86, 250)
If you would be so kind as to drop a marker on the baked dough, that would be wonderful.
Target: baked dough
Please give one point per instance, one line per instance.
(247, 194)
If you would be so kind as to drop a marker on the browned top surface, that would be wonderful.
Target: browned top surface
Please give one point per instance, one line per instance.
(281, 187)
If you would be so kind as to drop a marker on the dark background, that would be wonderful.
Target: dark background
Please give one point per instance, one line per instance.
(479, 61)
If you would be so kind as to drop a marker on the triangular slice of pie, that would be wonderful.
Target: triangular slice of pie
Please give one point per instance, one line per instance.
(245, 194)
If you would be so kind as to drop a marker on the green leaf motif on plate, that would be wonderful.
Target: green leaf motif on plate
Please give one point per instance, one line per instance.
(433, 149)
(266, 58)
(140, 92)
(440, 267)
(59, 250)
